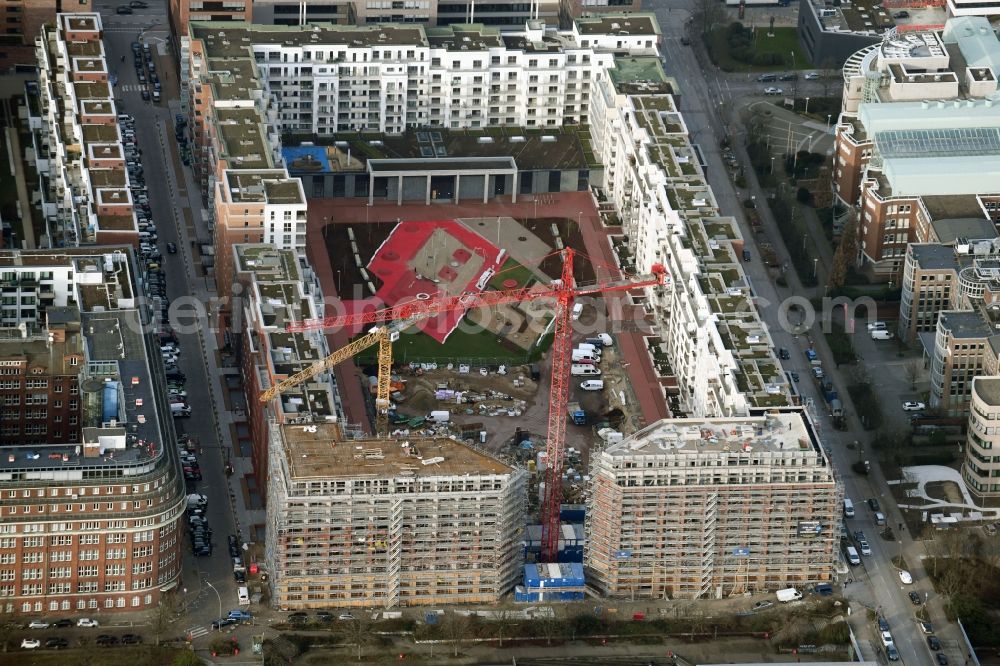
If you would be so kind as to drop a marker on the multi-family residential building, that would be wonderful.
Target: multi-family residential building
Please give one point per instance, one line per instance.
(387, 78)
(919, 135)
(84, 186)
(981, 468)
(278, 287)
(698, 508)
(711, 346)
(91, 496)
(20, 23)
(257, 206)
(503, 14)
(388, 522)
(181, 12)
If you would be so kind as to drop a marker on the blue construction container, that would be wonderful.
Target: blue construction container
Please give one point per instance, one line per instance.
(551, 582)
(572, 513)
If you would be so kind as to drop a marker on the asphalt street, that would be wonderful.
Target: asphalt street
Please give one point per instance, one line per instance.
(708, 102)
(154, 129)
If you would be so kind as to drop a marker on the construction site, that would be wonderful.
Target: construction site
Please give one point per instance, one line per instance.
(485, 476)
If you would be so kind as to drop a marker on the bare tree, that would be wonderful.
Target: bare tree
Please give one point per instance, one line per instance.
(8, 624)
(843, 257)
(358, 631)
(504, 618)
(163, 616)
(913, 369)
(547, 626)
(707, 15)
(455, 628)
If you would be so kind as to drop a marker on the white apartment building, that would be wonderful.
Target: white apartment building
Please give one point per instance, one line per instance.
(386, 78)
(85, 193)
(973, 8)
(711, 508)
(719, 349)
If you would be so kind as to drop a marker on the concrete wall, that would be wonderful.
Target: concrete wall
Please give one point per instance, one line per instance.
(827, 49)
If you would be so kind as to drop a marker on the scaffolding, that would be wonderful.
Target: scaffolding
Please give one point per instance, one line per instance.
(749, 507)
(389, 524)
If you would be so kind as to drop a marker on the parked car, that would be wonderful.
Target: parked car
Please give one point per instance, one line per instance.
(901, 15)
(905, 578)
(298, 618)
(123, 9)
(30, 643)
(771, 90)
(324, 616)
(57, 643)
(811, 76)
(763, 78)
(38, 624)
(172, 248)
(131, 639)
(911, 406)
(873, 504)
(347, 617)
(105, 639)
(224, 622)
(933, 643)
(942, 660)
(86, 622)
(138, 4)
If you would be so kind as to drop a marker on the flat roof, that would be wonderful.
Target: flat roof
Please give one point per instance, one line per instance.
(925, 176)
(953, 206)
(639, 74)
(972, 228)
(633, 23)
(234, 38)
(783, 431)
(266, 186)
(964, 324)
(934, 257)
(322, 455)
(988, 389)
(467, 37)
(266, 262)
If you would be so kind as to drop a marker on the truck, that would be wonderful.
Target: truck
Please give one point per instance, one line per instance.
(788, 594)
(576, 413)
(836, 409)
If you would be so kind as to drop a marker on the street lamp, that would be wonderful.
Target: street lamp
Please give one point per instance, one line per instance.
(815, 265)
(792, 53)
(828, 116)
(807, 106)
(368, 208)
(217, 595)
(772, 164)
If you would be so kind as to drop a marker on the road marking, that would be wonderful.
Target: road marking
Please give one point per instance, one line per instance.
(199, 630)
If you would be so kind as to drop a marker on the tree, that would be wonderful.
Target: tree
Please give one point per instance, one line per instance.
(163, 616)
(455, 627)
(358, 631)
(504, 618)
(8, 623)
(913, 369)
(707, 15)
(547, 626)
(843, 256)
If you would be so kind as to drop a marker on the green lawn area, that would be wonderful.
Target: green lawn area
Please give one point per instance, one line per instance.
(511, 270)
(480, 346)
(785, 43)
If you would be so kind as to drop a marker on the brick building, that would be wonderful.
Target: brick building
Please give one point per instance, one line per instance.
(91, 496)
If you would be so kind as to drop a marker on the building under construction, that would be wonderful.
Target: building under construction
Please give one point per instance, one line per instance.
(705, 508)
(388, 522)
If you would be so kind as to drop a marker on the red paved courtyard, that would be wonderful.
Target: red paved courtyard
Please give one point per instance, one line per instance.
(571, 205)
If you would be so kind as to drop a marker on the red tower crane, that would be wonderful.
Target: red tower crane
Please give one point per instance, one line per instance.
(563, 292)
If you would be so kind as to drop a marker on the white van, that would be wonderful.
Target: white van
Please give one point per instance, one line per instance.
(881, 335)
(180, 409)
(876, 326)
(581, 370)
(848, 508)
(439, 416)
(244, 596)
(852, 556)
(585, 355)
(592, 384)
(589, 347)
(577, 310)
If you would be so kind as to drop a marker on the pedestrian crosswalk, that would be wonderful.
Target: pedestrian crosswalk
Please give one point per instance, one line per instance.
(198, 630)
(132, 87)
